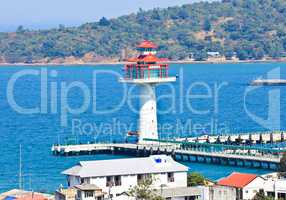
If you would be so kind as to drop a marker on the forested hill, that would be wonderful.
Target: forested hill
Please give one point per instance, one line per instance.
(250, 28)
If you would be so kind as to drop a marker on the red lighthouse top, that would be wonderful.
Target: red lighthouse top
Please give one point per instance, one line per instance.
(146, 44)
(147, 67)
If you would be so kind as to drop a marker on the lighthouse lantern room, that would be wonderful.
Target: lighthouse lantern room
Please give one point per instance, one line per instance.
(147, 71)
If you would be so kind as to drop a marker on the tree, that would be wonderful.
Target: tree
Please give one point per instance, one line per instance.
(195, 179)
(104, 22)
(207, 25)
(282, 165)
(261, 196)
(183, 14)
(252, 28)
(20, 29)
(200, 55)
(61, 27)
(258, 53)
(228, 54)
(143, 191)
(242, 54)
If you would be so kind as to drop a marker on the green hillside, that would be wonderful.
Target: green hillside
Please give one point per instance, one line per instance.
(250, 28)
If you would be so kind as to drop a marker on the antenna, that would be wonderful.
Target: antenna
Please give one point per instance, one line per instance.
(20, 166)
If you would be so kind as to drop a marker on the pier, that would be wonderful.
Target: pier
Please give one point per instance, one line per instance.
(237, 139)
(189, 151)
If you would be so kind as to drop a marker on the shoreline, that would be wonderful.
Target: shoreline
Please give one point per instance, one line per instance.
(123, 63)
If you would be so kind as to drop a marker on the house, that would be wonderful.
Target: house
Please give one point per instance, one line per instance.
(17, 194)
(275, 185)
(65, 194)
(213, 54)
(183, 193)
(246, 185)
(179, 193)
(89, 192)
(117, 176)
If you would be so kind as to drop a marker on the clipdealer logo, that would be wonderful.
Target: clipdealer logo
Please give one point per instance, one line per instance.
(54, 99)
(273, 121)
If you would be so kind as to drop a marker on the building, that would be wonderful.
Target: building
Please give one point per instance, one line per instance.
(179, 193)
(184, 193)
(147, 71)
(117, 176)
(222, 192)
(17, 194)
(89, 192)
(65, 194)
(213, 54)
(275, 186)
(246, 185)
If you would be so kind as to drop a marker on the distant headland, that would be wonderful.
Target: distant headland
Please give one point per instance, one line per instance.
(216, 32)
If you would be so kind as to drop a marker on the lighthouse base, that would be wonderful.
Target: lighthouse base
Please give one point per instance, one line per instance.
(148, 114)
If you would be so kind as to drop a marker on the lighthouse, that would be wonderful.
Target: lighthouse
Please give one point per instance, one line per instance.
(147, 71)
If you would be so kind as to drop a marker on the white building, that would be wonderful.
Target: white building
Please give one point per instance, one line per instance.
(179, 193)
(246, 185)
(89, 192)
(117, 176)
(275, 186)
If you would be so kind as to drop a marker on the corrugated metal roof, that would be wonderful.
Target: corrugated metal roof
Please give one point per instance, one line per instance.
(152, 164)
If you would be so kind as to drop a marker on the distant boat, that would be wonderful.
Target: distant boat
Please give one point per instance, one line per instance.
(132, 133)
(269, 82)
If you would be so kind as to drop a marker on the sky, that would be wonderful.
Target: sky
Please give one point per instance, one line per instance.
(50, 13)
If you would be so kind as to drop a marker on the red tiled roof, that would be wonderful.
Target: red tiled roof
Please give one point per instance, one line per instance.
(237, 180)
(147, 44)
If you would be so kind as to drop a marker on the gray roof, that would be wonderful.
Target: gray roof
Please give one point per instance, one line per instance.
(86, 186)
(152, 164)
(180, 192)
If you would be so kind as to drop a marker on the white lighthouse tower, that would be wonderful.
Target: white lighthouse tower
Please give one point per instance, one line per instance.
(147, 71)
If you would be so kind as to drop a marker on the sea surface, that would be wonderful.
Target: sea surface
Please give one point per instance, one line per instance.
(206, 99)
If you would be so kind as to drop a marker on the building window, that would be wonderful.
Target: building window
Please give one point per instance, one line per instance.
(171, 177)
(109, 181)
(113, 181)
(139, 178)
(117, 180)
(143, 177)
(88, 194)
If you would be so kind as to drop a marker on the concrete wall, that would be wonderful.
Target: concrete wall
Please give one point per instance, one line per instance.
(217, 192)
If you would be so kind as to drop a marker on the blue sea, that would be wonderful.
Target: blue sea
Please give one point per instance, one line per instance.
(41, 106)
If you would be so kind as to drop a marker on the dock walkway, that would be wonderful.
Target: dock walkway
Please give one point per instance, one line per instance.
(230, 157)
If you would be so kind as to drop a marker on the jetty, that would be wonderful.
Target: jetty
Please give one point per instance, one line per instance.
(269, 82)
(190, 151)
(237, 139)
